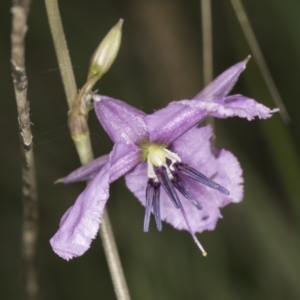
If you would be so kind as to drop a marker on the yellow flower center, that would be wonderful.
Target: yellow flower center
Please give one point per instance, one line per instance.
(154, 153)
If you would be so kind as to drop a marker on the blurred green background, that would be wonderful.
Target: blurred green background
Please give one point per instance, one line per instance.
(254, 251)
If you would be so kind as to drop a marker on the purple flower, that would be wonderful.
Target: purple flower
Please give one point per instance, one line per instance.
(169, 163)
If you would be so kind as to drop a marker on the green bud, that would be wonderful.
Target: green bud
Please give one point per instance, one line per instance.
(106, 53)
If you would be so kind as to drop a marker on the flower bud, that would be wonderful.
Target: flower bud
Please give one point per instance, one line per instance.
(106, 52)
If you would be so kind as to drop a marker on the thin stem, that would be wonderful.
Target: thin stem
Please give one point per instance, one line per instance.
(207, 46)
(258, 56)
(61, 48)
(20, 11)
(207, 42)
(111, 252)
(80, 134)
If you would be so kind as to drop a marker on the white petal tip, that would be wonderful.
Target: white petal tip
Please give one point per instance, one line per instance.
(97, 98)
(60, 180)
(247, 59)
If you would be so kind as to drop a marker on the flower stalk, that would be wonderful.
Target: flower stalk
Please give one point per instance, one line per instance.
(207, 46)
(207, 42)
(61, 49)
(80, 133)
(78, 123)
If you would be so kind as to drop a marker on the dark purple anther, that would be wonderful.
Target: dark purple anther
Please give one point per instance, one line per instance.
(149, 200)
(183, 189)
(156, 206)
(166, 183)
(196, 175)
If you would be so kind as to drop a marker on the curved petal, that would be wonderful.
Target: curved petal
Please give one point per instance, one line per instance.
(223, 84)
(80, 224)
(231, 106)
(86, 172)
(195, 149)
(122, 122)
(167, 124)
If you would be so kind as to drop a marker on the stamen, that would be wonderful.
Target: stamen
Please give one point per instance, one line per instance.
(183, 189)
(173, 157)
(150, 191)
(204, 253)
(150, 171)
(196, 175)
(170, 174)
(156, 206)
(166, 183)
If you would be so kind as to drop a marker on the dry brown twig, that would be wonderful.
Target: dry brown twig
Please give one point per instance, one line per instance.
(20, 12)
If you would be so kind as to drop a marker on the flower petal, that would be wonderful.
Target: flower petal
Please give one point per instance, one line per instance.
(123, 159)
(230, 106)
(86, 172)
(122, 122)
(194, 148)
(79, 225)
(167, 124)
(223, 84)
